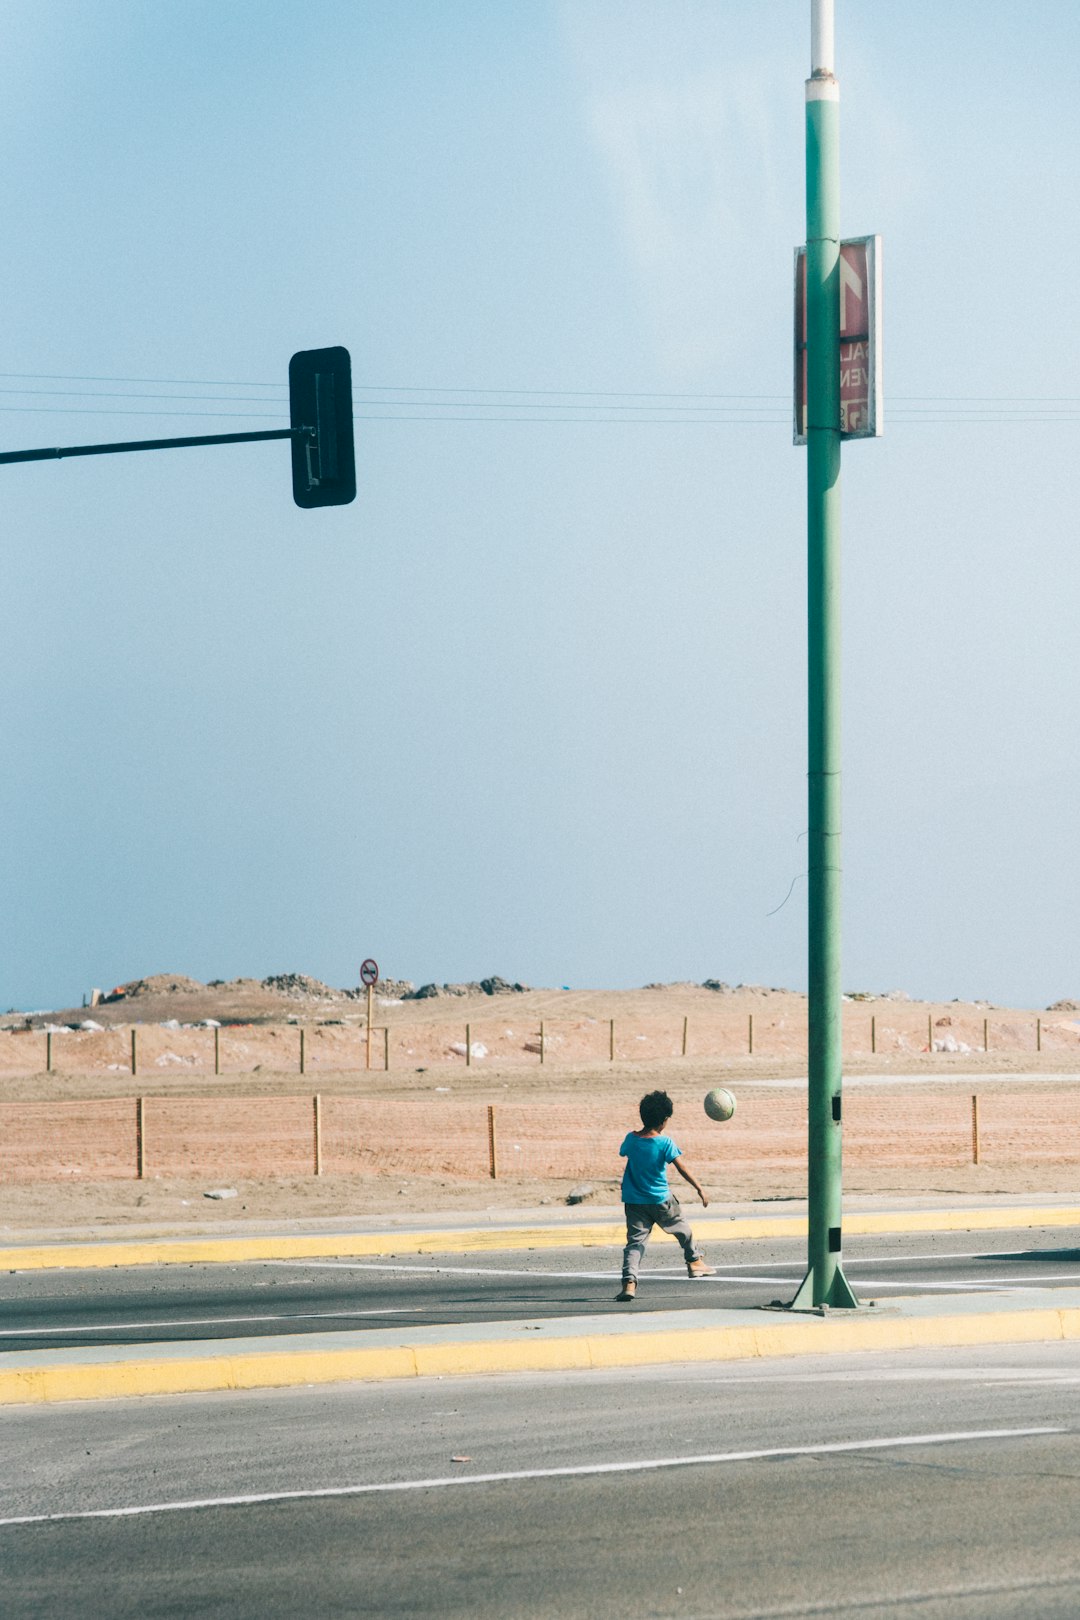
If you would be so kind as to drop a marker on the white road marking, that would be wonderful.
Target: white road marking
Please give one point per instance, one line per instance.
(576, 1471)
(971, 1254)
(990, 1377)
(723, 1274)
(609, 1275)
(956, 1285)
(198, 1321)
(732, 1265)
(1013, 1285)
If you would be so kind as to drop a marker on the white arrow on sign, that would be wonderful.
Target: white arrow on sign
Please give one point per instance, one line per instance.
(851, 282)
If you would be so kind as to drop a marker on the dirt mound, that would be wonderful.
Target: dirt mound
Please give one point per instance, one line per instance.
(298, 985)
(494, 986)
(156, 984)
(388, 990)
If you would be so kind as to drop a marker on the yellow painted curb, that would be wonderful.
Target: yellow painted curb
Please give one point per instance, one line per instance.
(958, 1220)
(238, 1251)
(277, 1369)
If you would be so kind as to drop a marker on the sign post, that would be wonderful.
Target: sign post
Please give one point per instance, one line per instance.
(859, 354)
(824, 1283)
(369, 975)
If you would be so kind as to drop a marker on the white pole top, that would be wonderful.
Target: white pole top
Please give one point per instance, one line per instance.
(822, 38)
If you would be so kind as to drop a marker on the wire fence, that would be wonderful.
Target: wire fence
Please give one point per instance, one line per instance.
(281, 1137)
(509, 1042)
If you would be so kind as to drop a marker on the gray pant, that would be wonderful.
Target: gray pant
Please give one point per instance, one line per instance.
(640, 1220)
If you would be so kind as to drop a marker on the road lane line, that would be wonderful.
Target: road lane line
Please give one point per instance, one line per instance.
(850, 1263)
(1020, 1282)
(573, 1471)
(988, 1377)
(461, 1271)
(200, 1321)
(904, 1259)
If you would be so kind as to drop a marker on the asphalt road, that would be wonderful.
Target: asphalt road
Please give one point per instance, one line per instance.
(48, 1310)
(918, 1487)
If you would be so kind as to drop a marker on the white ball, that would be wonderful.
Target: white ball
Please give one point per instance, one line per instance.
(719, 1104)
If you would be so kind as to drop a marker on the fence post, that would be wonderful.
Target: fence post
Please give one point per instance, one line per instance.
(386, 1048)
(468, 1046)
(685, 1023)
(974, 1128)
(986, 1036)
(873, 1033)
(611, 1043)
(316, 1112)
(303, 1063)
(541, 1040)
(750, 1035)
(929, 1032)
(140, 1138)
(1038, 1034)
(134, 1053)
(217, 1051)
(48, 1052)
(493, 1166)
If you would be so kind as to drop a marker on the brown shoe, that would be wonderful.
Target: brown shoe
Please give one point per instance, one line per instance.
(698, 1268)
(629, 1289)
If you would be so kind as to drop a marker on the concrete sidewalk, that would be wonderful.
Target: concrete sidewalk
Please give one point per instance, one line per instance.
(578, 1343)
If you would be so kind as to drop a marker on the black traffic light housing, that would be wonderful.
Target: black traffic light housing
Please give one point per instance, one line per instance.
(321, 417)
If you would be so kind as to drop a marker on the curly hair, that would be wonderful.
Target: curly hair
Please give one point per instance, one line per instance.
(656, 1108)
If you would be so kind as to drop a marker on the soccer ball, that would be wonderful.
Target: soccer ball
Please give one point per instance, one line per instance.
(719, 1104)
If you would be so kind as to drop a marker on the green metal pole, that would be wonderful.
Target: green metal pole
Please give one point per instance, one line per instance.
(824, 1283)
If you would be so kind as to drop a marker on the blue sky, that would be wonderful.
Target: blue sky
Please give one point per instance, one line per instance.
(534, 704)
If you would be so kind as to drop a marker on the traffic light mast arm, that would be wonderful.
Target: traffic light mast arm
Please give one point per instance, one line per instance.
(321, 432)
(154, 444)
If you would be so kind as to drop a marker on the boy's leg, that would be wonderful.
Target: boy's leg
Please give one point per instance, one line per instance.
(671, 1220)
(639, 1223)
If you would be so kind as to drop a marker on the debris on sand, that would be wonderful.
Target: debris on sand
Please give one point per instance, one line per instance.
(475, 1049)
(493, 986)
(297, 984)
(156, 984)
(949, 1043)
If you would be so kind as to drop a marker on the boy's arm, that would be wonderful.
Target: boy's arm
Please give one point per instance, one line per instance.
(687, 1175)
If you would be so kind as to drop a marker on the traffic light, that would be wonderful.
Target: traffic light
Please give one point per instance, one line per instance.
(321, 416)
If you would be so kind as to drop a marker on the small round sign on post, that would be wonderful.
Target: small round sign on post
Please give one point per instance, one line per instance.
(369, 975)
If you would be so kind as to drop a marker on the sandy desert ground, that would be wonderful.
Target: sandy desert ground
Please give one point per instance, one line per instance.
(908, 1136)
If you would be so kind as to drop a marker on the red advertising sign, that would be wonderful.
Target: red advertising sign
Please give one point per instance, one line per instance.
(861, 403)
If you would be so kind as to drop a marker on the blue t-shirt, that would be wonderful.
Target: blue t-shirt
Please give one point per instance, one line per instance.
(645, 1177)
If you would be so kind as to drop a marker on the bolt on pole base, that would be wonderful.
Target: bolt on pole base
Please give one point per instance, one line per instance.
(838, 1294)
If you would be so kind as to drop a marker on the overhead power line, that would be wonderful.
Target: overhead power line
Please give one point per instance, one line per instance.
(412, 403)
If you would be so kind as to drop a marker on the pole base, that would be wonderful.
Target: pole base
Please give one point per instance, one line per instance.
(838, 1296)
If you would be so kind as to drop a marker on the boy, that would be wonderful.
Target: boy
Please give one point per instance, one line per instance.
(646, 1195)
